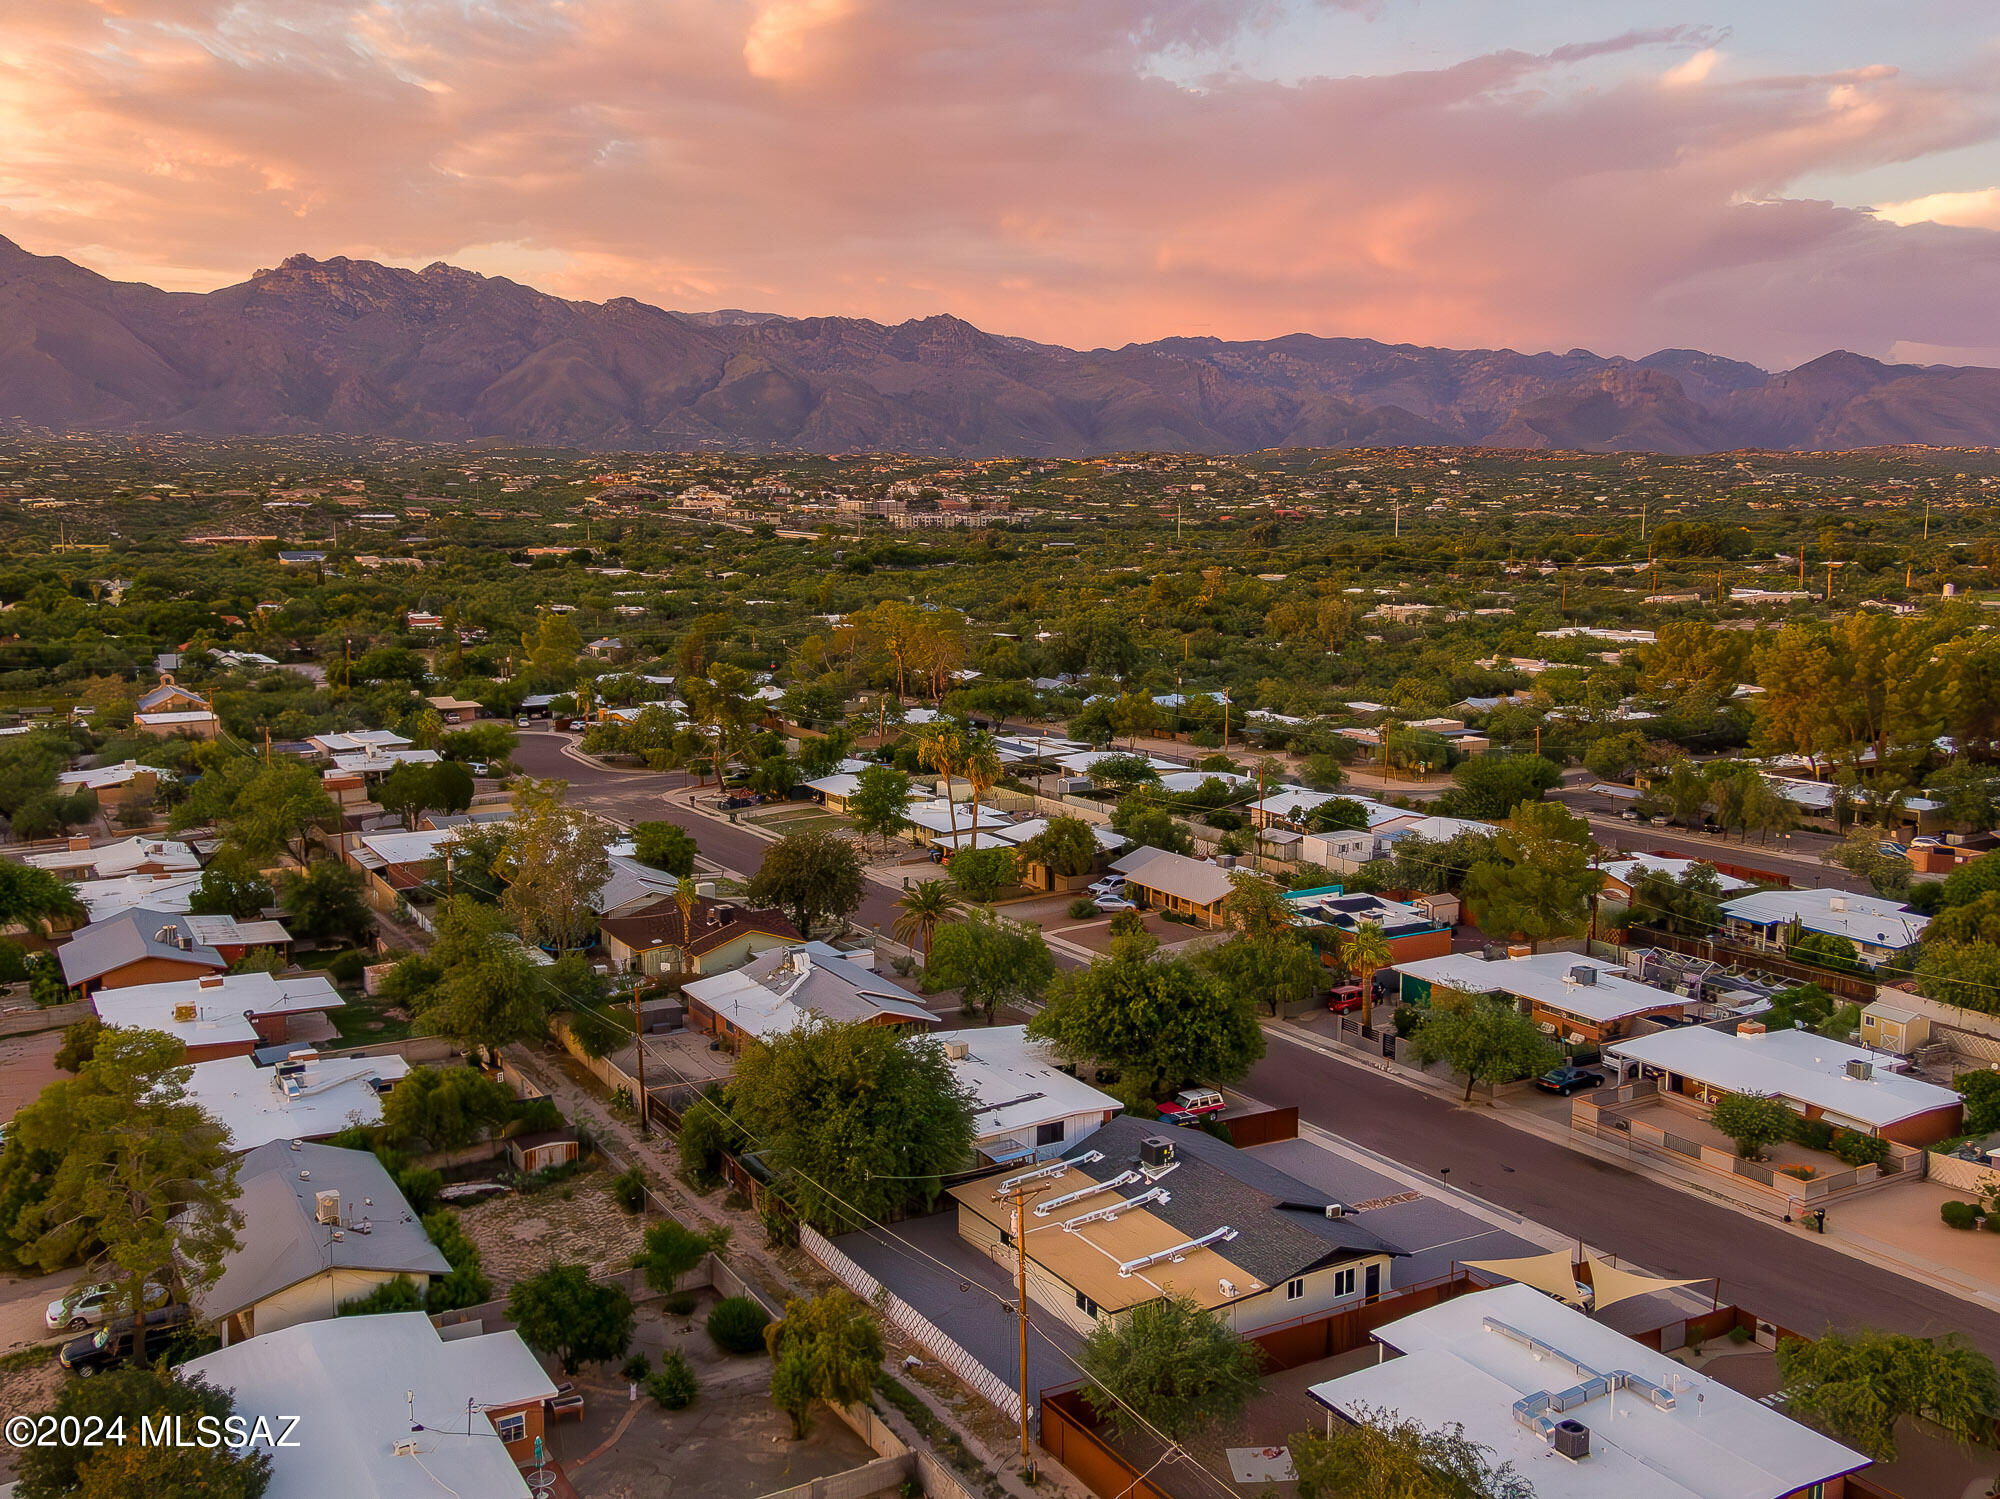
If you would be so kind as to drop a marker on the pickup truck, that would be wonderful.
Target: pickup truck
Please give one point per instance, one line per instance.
(111, 1344)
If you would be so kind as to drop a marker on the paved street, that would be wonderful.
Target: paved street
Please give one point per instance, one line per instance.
(1777, 1272)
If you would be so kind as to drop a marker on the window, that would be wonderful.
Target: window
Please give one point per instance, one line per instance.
(1294, 1289)
(512, 1427)
(1049, 1134)
(1085, 1305)
(1343, 1283)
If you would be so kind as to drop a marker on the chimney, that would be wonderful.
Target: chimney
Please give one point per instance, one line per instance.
(78, 844)
(1749, 1027)
(210, 981)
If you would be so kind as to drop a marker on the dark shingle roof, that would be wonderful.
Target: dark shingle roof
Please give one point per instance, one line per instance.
(660, 926)
(1281, 1223)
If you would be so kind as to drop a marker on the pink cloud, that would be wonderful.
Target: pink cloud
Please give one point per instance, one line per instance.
(1017, 162)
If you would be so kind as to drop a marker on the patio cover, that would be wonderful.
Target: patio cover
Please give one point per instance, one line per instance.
(1613, 1285)
(1554, 1273)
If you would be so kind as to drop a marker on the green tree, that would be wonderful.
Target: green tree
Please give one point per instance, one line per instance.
(143, 1182)
(1540, 882)
(1827, 949)
(486, 994)
(231, 886)
(466, 1283)
(1168, 1365)
(1164, 1023)
(555, 860)
(324, 902)
(565, 1314)
(1148, 824)
(1124, 771)
(1066, 847)
(1753, 1121)
(1278, 968)
(79, 1043)
(921, 909)
(856, 1122)
(262, 810)
(1857, 1386)
(1982, 1101)
(448, 1108)
(671, 1251)
(826, 1348)
(1486, 1040)
(1966, 974)
(812, 876)
(34, 897)
(982, 873)
(1377, 1454)
(412, 789)
(399, 1295)
(991, 961)
(664, 845)
(880, 804)
(1490, 786)
(117, 1470)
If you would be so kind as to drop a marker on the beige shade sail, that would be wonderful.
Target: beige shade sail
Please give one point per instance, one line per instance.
(1613, 1285)
(1554, 1272)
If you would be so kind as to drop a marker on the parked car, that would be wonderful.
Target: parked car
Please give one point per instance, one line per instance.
(1345, 999)
(91, 1305)
(1191, 1106)
(1893, 850)
(1629, 815)
(111, 1344)
(520, 723)
(1111, 884)
(1111, 903)
(1568, 1080)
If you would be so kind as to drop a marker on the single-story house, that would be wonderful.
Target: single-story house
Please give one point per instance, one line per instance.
(632, 887)
(780, 990)
(104, 899)
(1879, 929)
(219, 1014)
(305, 1097)
(112, 784)
(400, 1409)
(1039, 876)
(233, 937)
(1341, 851)
(1174, 882)
(1622, 874)
(1296, 803)
(110, 861)
(1026, 1105)
(1845, 1085)
(1330, 916)
(722, 934)
(1580, 1410)
(135, 947)
(373, 762)
(1578, 999)
(1139, 1211)
(195, 723)
(949, 826)
(454, 710)
(321, 1227)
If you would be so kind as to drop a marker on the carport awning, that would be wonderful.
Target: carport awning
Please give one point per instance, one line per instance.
(1553, 1273)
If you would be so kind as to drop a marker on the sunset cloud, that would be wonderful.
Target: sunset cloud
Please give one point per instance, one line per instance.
(1025, 164)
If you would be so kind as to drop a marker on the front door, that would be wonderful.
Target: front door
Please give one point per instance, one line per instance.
(1371, 1284)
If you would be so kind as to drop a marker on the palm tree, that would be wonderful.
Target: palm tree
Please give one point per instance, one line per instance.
(942, 747)
(981, 767)
(686, 894)
(1366, 951)
(924, 905)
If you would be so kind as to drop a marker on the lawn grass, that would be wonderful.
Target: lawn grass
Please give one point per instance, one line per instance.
(356, 1021)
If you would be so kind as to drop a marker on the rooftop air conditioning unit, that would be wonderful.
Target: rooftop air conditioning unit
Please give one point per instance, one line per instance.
(1155, 1150)
(957, 1051)
(1860, 1070)
(1338, 1210)
(1571, 1439)
(1583, 973)
(326, 1205)
(1836, 903)
(184, 1011)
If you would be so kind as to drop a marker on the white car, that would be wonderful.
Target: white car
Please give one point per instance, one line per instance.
(520, 723)
(91, 1305)
(1110, 904)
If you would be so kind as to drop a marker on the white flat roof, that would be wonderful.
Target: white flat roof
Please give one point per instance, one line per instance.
(356, 1383)
(1632, 866)
(219, 1007)
(1544, 977)
(170, 893)
(110, 860)
(1015, 1082)
(1841, 913)
(1713, 1443)
(253, 1106)
(1796, 1065)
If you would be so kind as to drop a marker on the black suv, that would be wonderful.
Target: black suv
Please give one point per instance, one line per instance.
(111, 1344)
(1568, 1080)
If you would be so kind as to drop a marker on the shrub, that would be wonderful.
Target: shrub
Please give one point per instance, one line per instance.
(1127, 923)
(1407, 1019)
(628, 1189)
(1959, 1215)
(736, 1325)
(636, 1368)
(1740, 1334)
(347, 968)
(1082, 909)
(680, 1304)
(1798, 1173)
(1857, 1149)
(1814, 1134)
(675, 1385)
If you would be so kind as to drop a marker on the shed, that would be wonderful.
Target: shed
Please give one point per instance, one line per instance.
(1893, 1028)
(543, 1149)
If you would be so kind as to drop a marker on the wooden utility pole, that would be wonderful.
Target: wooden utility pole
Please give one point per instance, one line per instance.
(639, 1051)
(1016, 1193)
(1829, 580)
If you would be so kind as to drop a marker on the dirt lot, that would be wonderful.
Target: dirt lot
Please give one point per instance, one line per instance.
(732, 1443)
(574, 1221)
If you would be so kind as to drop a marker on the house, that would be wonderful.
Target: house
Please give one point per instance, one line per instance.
(1139, 1211)
(1581, 1000)
(1623, 874)
(780, 990)
(1342, 851)
(720, 935)
(454, 710)
(195, 723)
(110, 861)
(1879, 929)
(948, 824)
(632, 887)
(219, 1014)
(233, 938)
(401, 1410)
(1330, 916)
(1039, 876)
(103, 899)
(1026, 1106)
(356, 742)
(171, 697)
(305, 1097)
(135, 947)
(1174, 882)
(321, 1227)
(374, 761)
(1580, 1410)
(113, 784)
(1847, 1086)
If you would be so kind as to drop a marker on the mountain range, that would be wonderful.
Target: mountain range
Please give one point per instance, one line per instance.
(353, 347)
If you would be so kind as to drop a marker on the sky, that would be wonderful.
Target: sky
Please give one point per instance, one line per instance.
(1765, 179)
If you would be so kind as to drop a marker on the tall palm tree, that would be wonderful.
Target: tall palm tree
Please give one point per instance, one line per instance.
(924, 905)
(686, 894)
(1366, 952)
(981, 767)
(941, 746)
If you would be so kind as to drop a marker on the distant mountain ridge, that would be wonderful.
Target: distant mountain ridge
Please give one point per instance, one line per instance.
(353, 347)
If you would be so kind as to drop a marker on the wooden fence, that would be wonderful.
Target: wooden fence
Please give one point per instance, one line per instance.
(1265, 1127)
(917, 1327)
(1069, 1435)
(1325, 1335)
